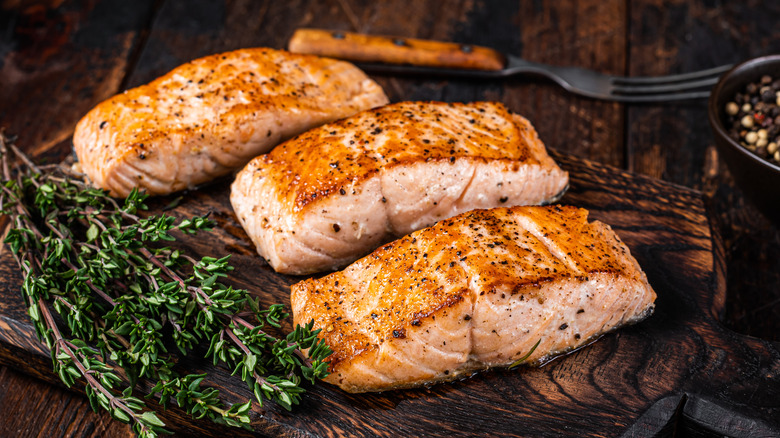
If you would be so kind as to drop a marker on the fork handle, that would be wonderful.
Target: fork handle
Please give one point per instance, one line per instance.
(394, 50)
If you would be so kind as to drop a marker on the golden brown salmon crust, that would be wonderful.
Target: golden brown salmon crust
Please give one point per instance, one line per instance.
(212, 115)
(354, 149)
(471, 292)
(332, 194)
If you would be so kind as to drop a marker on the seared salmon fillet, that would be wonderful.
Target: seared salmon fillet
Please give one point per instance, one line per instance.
(212, 115)
(475, 291)
(331, 195)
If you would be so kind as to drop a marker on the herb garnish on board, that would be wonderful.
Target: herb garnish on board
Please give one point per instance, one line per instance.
(110, 299)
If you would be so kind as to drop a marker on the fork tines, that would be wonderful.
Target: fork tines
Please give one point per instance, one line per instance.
(659, 88)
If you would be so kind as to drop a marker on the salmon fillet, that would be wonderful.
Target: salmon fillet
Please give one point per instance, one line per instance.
(333, 194)
(212, 115)
(475, 291)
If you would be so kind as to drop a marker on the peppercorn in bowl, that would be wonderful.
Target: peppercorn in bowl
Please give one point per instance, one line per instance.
(744, 113)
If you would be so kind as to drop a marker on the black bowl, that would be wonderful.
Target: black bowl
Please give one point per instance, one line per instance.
(758, 178)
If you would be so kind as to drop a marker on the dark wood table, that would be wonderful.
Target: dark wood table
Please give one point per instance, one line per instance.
(58, 58)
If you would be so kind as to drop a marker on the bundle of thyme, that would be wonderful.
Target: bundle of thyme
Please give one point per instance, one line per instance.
(114, 303)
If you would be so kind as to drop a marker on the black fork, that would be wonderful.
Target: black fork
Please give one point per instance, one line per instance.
(693, 85)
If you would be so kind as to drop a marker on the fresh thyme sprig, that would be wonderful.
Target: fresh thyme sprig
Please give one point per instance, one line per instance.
(522, 360)
(109, 299)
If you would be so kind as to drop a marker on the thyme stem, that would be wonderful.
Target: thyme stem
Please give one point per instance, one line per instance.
(122, 297)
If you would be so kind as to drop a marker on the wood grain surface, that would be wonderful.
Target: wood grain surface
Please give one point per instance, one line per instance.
(21, 417)
(58, 58)
(603, 389)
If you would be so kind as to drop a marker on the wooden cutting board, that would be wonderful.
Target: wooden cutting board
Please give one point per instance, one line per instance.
(678, 371)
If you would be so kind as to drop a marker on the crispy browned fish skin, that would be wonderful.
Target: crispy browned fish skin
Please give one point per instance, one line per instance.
(475, 291)
(323, 199)
(212, 115)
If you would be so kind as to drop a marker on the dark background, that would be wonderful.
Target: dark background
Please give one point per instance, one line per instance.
(60, 58)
